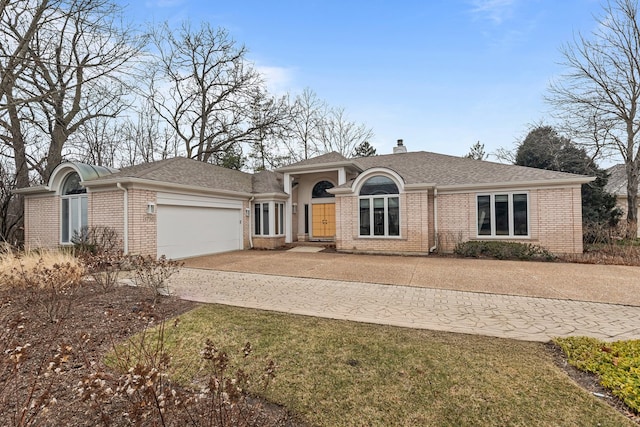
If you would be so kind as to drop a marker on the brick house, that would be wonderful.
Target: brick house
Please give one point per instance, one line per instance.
(406, 202)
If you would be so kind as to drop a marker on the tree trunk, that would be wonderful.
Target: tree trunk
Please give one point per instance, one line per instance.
(632, 199)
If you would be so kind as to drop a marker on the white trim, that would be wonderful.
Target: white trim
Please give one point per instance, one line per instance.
(369, 173)
(510, 217)
(386, 234)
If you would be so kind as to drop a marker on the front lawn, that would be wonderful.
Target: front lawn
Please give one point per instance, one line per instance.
(338, 373)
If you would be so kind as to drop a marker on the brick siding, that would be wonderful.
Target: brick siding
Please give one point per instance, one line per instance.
(415, 226)
(42, 222)
(555, 221)
(268, 242)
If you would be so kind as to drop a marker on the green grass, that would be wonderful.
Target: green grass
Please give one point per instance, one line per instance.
(616, 364)
(338, 373)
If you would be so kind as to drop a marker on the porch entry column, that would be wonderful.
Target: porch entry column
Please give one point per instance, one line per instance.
(288, 179)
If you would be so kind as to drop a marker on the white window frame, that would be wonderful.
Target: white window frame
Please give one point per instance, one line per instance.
(82, 219)
(276, 224)
(386, 234)
(492, 205)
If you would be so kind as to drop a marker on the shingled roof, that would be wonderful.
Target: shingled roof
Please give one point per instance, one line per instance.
(180, 170)
(443, 170)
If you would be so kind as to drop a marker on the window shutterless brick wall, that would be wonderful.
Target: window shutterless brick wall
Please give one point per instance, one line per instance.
(268, 242)
(555, 219)
(42, 222)
(415, 226)
(105, 210)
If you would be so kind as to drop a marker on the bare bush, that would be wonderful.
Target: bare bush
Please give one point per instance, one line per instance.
(148, 396)
(153, 273)
(47, 280)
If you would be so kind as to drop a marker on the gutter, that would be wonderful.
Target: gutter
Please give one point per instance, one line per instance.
(126, 218)
(435, 220)
(250, 230)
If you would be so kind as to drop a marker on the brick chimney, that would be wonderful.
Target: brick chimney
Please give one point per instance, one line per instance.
(400, 148)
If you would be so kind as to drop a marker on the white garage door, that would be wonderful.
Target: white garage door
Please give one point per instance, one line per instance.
(185, 231)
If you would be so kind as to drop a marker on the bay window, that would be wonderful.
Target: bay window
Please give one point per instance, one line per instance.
(268, 219)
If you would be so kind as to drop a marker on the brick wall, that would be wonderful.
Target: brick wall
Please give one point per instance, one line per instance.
(42, 222)
(559, 221)
(143, 236)
(415, 226)
(268, 242)
(555, 219)
(106, 210)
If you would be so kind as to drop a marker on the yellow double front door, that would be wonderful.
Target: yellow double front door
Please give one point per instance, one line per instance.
(323, 221)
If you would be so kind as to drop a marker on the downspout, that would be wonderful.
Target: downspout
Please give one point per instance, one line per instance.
(250, 229)
(126, 218)
(435, 220)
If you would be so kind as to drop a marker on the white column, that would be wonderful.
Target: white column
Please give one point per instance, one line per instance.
(288, 179)
(342, 176)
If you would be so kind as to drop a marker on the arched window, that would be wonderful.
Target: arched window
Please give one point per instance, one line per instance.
(320, 190)
(74, 218)
(379, 208)
(378, 185)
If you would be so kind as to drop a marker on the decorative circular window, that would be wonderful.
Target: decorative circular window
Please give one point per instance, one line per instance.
(320, 190)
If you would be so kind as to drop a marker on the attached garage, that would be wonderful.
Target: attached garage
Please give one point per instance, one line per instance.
(190, 225)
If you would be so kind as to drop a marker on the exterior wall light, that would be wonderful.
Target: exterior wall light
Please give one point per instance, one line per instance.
(151, 208)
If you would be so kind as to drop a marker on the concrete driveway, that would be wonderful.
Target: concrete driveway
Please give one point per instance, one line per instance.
(519, 300)
(611, 284)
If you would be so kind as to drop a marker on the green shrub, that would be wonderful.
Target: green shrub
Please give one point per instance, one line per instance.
(616, 364)
(502, 250)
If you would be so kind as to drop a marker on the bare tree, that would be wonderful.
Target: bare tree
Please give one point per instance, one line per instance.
(20, 20)
(600, 94)
(340, 134)
(309, 113)
(271, 117)
(202, 86)
(71, 71)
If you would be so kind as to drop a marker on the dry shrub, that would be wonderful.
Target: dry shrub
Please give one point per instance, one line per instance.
(614, 253)
(23, 269)
(47, 279)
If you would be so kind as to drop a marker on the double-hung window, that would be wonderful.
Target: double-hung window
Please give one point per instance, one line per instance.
(503, 215)
(379, 206)
(74, 217)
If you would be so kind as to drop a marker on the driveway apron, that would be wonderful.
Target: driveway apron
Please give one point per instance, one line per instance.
(506, 316)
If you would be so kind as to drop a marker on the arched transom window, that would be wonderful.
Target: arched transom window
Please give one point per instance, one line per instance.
(379, 207)
(74, 218)
(320, 190)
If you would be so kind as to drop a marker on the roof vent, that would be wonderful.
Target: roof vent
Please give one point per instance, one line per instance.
(400, 148)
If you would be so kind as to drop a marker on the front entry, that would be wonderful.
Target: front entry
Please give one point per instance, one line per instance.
(323, 221)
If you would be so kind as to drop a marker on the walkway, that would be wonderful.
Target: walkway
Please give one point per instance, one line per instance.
(516, 317)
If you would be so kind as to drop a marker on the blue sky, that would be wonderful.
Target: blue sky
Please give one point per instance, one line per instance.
(440, 74)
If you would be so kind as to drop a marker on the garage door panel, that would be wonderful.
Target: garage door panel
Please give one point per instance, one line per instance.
(185, 231)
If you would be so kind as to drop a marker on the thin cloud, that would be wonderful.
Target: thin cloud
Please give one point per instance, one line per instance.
(497, 11)
(278, 79)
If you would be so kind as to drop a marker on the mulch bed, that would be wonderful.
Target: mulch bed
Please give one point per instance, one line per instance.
(96, 320)
(589, 382)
